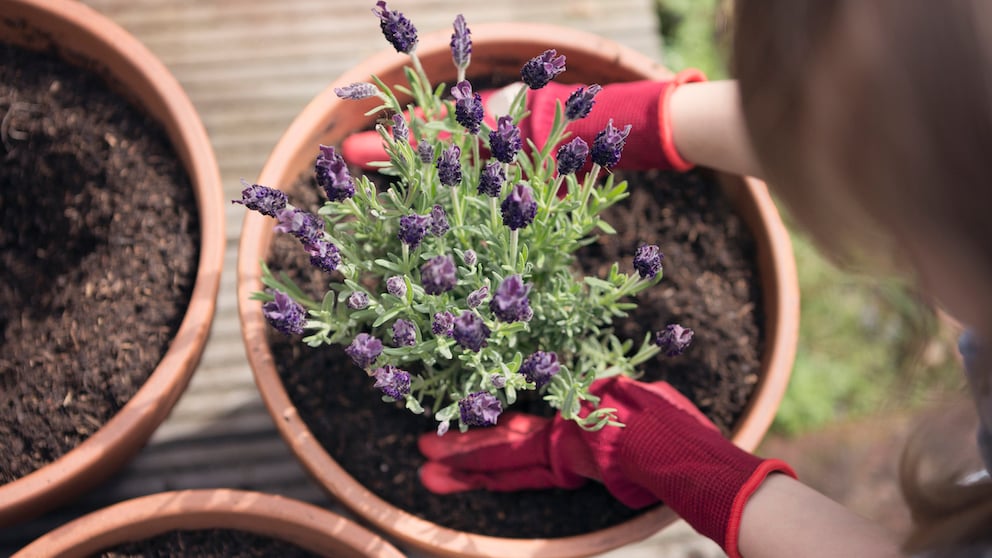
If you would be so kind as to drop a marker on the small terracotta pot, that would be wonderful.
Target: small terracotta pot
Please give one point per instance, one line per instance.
(499, 50)
(86, 38)
(304, 525)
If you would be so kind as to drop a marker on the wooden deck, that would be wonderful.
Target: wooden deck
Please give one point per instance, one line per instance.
(249, 66)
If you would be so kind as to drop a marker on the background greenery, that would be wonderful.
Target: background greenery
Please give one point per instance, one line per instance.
(865, 345)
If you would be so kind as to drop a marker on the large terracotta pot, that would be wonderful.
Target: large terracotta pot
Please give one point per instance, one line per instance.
(86, 38)
(499, 50)
(304, 525)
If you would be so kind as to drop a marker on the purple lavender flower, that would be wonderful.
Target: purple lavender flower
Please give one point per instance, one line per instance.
(392, 381)
(324, 255)
(425, 151)
(439, 221)
(470, 331)
(284, 314)
(469, 257)
(438, 275)
(572, 156)
(461, 43)
(510, 302)
(608, 145)
(358, 300)
(404, 334)
(673, 340)
(647, 260)
(413, 228)
(498, 381)
(519, 207)
(401, 132)
(397, 29)
(540, 367)
(443, 323)
(396, 286)
(356, 91)
(364, 350)
(449, 166)
(305, 226)
(332, 174)
(265, 200)
(538, 71)
(580, 102)
(480, 409)
(477, 297)
(491, 179)
(504, 141)
(468, 107)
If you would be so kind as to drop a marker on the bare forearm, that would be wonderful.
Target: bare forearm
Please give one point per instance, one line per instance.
(785, 518)
(708, 127)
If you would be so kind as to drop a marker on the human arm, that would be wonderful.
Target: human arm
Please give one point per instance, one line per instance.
(667, 451)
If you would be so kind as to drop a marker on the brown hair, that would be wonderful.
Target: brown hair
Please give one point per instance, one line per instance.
(872, 121)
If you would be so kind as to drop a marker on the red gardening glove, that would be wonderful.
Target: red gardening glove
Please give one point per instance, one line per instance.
(667, 451)
(642, 104)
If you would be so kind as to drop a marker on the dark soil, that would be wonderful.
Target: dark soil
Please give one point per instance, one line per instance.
(99, 241)
(711, 285)
(208, 543)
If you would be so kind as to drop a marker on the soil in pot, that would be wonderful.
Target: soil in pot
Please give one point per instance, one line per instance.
(99, 240)
(711, 285)
(207, 543)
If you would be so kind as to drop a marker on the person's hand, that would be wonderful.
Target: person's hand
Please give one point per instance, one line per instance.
(666, 451)
(642, 104)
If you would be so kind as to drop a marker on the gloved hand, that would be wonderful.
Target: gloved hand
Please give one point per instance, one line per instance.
(667, 451)
(642, 104)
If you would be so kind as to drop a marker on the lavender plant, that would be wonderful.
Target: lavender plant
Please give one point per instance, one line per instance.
(456, 288)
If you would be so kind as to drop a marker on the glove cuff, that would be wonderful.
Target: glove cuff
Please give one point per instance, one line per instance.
(665, 118)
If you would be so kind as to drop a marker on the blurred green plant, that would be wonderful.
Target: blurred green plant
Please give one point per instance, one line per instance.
(865, 345)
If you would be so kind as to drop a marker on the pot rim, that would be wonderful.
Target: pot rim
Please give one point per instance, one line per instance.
(84, 33)
(280, 517)
(778, 275)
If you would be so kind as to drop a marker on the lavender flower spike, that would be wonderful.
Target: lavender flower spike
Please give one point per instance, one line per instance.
(540, 367)
(510, 302)
(477, 297)
(519, 208)
(438, 275)
(265, 200)
(396, 286)
(401, 132)
(331, 172)
(674, 339)
(580, 102)
(608, 145)
(572, 156)
(285, 314)
(439, 221)
(356, 91)
(647, 261)
(425, 151)
(397, 29)
(364, 349)
(413, 228)
(461, 43)
(504, 141)
(468, 107)
(324, 255)
(392, 381)
(358, 300)
(305, 226)
(491, 179)
(443, 323)
(449, 166)
(470, 331)
(480, 409)
(404, 334)
(540, 70)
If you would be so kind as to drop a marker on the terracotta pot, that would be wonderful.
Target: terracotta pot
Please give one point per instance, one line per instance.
(307, 526)
(499, 50)
(86, 38)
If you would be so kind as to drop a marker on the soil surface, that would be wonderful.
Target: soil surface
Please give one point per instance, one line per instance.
(208, 543)
(711, 285)
(99, 241)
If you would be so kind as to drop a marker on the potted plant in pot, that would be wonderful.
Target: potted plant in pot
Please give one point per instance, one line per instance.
(210, 522)
(112, 242)
(504, 273)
